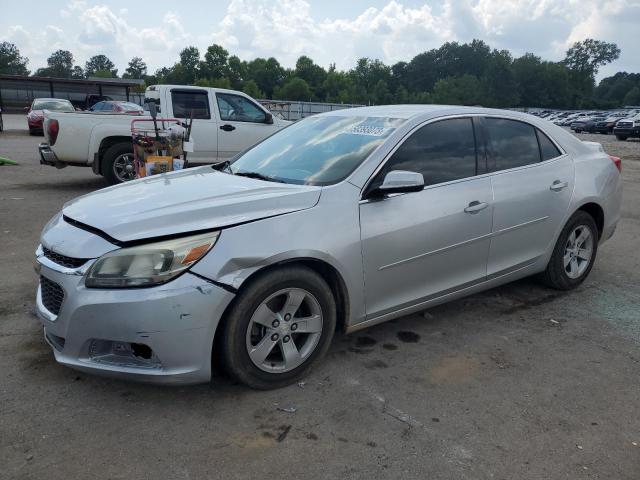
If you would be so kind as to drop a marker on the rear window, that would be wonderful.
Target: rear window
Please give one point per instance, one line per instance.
(511, 143)
(548, 149)
(186, 102)
(55, 105)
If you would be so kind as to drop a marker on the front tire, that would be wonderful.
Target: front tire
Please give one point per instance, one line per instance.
(117, 164)
(574, 253)
(621, 137)
(279, 327)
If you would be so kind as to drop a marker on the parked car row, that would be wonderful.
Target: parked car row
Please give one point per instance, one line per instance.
(93, 103)
(623, 124)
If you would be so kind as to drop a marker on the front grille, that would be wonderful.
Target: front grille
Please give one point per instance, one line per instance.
(63, 260)
(52, 295)
(625, 124)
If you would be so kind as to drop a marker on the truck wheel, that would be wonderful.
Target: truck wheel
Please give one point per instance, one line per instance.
(621, 137)
(117, 164)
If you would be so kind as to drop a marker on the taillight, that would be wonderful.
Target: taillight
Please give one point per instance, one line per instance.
(52, 131)
(617, 162)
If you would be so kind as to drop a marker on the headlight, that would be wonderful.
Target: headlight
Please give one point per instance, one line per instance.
(150, 264)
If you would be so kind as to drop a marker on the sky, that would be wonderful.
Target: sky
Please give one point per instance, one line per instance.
(328, 31)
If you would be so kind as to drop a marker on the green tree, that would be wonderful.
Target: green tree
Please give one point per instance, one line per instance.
(137, 68)
(311, 73)
(189, 63)
(59, 64)
(583, 60)
(215, 62)
(251, 88)
(335, 86)
(267, 73)
(100, 65)
(11, 63)
(633, 97)
(294, 89)
(500, 88)
(77, 72)
(236, 71)
(463, 90)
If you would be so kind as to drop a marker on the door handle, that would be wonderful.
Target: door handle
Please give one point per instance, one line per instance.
(475, 207)
(558, 185)
(227, 127)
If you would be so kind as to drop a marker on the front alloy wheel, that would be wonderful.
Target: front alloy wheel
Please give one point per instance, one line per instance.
(284, 330)
(280, 324)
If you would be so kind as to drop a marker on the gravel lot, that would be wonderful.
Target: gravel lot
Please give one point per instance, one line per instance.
(520, 382)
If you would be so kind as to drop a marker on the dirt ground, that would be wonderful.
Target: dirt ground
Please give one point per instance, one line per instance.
(519, 382)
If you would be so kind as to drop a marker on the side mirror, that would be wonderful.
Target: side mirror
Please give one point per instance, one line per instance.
(399, 181)
(26, 109)
(268, 118)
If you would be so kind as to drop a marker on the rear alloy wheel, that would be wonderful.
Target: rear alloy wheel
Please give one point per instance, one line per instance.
(117, 164)
(574, 253)
(281, 324)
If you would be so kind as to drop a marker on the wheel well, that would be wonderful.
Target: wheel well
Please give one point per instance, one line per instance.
(596, 213)
(107, 143)
(325, 270)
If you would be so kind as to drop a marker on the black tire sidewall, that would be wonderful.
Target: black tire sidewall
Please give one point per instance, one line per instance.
(109, 157)
(234, 352)
(556, 275)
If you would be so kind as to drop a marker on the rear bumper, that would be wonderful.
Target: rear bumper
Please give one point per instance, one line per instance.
(47, 156)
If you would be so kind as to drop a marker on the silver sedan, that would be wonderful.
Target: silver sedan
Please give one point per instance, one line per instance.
(340, 221)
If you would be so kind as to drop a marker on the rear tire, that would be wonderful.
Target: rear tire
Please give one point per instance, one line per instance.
(292, 342)
(117, 164)
(574, 254)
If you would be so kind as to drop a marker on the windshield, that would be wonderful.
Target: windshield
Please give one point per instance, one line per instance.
(57, 105)
(319, 150)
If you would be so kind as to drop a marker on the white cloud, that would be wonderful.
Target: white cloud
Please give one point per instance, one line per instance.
(286, 29)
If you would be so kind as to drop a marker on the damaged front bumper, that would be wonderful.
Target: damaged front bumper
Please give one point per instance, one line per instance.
(161, 334)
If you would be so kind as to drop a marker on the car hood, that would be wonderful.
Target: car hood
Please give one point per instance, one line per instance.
(185, 201)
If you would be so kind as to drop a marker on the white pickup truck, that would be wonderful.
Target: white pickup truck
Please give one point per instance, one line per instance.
(225, 122)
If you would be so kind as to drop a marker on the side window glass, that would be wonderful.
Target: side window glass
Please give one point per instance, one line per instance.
(185, 102)
(442, 151)
(547, 147)
(511, 143)
(234, 108)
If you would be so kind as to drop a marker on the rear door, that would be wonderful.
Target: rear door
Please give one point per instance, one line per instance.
(532, 184)
(186, 101)
(417, 246)
(243, 123)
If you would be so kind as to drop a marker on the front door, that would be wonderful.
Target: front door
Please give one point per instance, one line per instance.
(417, 246)
(242, 124)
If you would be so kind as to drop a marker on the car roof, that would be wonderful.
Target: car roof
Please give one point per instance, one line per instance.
(425, 112)
(50, 99)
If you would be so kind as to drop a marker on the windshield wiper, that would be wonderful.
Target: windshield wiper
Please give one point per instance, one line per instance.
(223, 166)
(258, 176)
